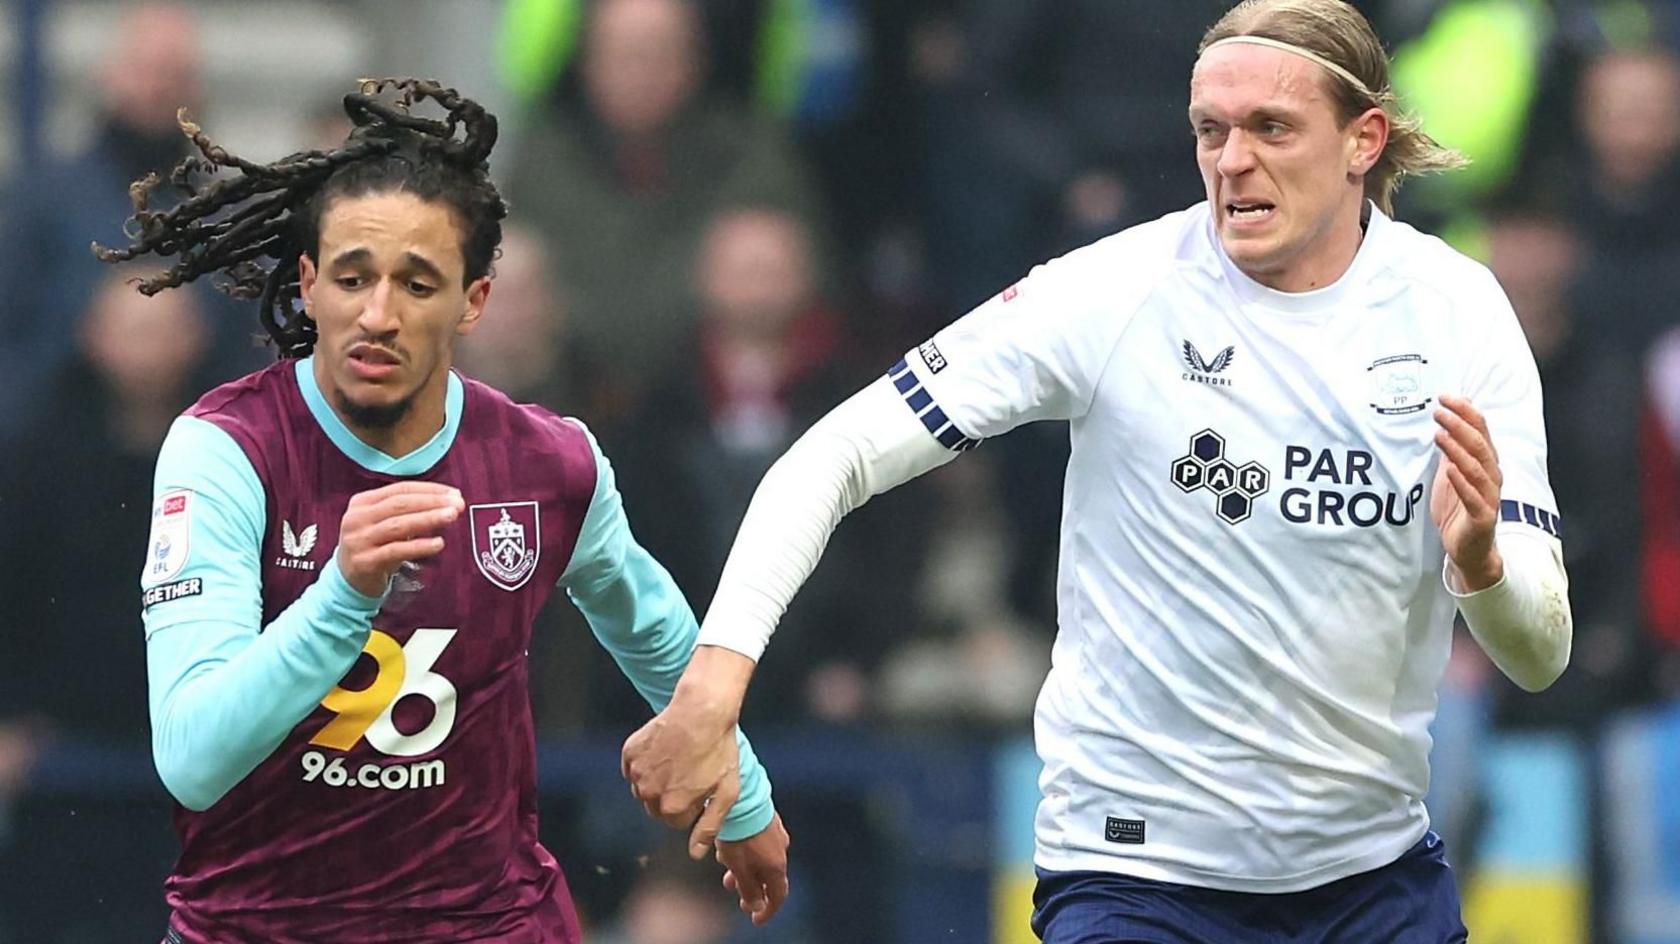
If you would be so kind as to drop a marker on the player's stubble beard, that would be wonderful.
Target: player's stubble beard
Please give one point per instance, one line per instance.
(376, 416)
(381, 416)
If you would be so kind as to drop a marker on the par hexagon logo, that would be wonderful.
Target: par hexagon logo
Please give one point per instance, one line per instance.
(1235, 487)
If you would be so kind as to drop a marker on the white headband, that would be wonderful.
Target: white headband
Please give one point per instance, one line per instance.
(1301, 51)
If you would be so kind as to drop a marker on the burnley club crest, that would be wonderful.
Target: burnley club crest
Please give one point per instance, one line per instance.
(506, 539)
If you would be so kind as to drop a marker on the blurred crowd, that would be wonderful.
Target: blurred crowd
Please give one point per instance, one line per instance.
(729, 214)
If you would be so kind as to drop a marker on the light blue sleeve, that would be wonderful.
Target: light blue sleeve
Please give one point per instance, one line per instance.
(639, 615)
(224, 690)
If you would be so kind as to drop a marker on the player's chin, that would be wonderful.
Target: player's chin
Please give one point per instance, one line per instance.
(375, 405)
(1250, 251)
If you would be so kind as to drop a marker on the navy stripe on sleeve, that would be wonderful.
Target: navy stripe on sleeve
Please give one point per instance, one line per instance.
(1549, 522)
(920, 402)
(906, 381)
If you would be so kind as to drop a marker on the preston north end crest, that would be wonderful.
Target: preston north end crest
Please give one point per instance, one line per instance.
(507, 540)
(1398, 384)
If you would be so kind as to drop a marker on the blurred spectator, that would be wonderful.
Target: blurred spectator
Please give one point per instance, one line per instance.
(834, 71)
(1066, 121)
(1592, 406)
(622, 182)
(1622, 188)
(885, 204)
(1661, 501)
(673, 902)
(676, 901)
(1629, 114)
(520, 347)
(73, 660)
(831, 70)
(765, 361)
(53, 212)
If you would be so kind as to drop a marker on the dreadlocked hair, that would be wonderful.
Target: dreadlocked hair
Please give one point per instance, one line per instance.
(251, 228)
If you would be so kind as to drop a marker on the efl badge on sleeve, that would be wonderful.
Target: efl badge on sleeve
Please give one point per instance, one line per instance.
(506, 542)
(166, 550)
(1398, 384)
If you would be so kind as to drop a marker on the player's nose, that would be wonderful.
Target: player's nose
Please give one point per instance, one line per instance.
(1237, 156)
(378, 313)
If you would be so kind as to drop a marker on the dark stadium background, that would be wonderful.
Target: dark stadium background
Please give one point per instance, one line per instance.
(837, 178)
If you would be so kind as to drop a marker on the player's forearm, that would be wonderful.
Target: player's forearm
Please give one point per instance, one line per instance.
(783, 535)
(865, 446)
(632, 605)
(642, 619)
(714, 685)
(1523, 621)
(222, 698)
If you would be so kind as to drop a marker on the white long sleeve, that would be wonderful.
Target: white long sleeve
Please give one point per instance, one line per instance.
(863, 447)
(1523, 622)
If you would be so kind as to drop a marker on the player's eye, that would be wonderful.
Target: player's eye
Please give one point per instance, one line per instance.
(349, 282)
(1273, 129)
(420, 289)
(1208, 133)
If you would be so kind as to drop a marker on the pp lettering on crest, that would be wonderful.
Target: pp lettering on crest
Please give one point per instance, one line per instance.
(1398, 384)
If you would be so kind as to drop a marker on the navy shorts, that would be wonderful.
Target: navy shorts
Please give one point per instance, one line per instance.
(1413, 900)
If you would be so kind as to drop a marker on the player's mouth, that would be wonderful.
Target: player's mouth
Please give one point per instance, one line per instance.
(372, 362)
(1245, 213)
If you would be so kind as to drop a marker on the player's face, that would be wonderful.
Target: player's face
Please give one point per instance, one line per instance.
(1284, 175)
(387, 298)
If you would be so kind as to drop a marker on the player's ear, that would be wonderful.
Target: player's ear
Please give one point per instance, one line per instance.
(307, 274)
(1367, 136)
(477, 294)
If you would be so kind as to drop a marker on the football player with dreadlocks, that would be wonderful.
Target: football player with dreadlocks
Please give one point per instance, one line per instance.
(347, 552)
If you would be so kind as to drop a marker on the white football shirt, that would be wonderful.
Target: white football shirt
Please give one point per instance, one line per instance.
(1252, 615)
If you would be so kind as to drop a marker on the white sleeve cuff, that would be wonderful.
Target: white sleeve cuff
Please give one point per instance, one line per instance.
(1522, 622)
(865, 446)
